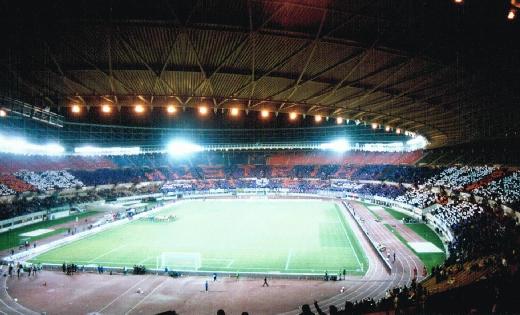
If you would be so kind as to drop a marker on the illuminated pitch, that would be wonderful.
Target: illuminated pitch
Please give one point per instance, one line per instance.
(238, 235)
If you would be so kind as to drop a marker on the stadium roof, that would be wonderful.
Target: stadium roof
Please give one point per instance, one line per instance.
(440, 69)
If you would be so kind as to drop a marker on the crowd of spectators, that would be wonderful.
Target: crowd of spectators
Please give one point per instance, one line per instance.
(110, 176)
(456, 177)
(420, 198)
(15, 184)
(49, 180)
(485, 233)
(455, 213)
(394, 173)
(5, 191)
(505, 190)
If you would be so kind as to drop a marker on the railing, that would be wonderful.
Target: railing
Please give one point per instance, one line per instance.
(372, 242)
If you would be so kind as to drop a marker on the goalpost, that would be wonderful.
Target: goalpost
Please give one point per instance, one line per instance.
(188, 261)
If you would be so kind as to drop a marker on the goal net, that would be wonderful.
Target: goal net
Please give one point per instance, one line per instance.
(180, 261)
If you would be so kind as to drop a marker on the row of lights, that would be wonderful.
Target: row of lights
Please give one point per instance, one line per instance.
(511, 14)
(203, 110)
(234, 111)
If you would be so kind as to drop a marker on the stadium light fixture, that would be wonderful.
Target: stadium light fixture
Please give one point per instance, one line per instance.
(511, 14)
(387, 128)
(234, 111)
(416, 143)
(75, 109)
(339, 145)
(318, 118)
(17, 145)
(182, 147)
(458, 1)
(293, 115)
(398, 131)
(264, 114)
(374, 126)
(203, 110)
(90, 150)
(106, 108)
(170, 109)
(339, 120)
(139, 108)
(3, 113)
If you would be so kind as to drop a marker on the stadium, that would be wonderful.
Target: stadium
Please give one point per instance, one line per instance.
(260, 157)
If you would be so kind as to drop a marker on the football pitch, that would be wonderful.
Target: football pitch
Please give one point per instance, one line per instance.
(236, 235)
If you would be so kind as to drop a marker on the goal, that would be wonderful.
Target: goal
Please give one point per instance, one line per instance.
(187, 261)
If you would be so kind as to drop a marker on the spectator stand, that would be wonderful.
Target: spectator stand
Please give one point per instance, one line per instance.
(19, 221)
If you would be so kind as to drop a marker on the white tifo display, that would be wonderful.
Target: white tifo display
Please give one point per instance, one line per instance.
(189, 261)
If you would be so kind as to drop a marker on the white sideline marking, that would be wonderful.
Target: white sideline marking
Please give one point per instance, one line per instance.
(102, 255)
(375, 208)
(146, 259)
(348, 238)
(151, 292)
(37, 232)
(120, 295)
(288, 259)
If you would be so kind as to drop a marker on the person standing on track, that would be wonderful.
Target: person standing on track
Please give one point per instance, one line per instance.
(206, 285)
(265, 282)
(214, 276)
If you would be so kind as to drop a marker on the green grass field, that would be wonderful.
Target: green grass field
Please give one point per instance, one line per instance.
(280, 236)
(12, 238)
(429, 259)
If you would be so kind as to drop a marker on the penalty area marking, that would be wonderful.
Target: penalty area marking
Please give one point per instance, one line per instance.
(106, 253)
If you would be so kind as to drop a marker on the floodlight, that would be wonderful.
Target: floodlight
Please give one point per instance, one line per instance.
(293, 116)
(17, 145)
(317, 118)
(106, 109)
(339, 145)
(264, 114)
(3, 113)
(387, 128)
(182, 147)
(53, 149)
(511, 15)
(171, 109)
(234, 111)
(203, 110)
(416, 143)
(139, 108)
(339, 120)
(374, 125)
(90, 150)
(75, 109)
